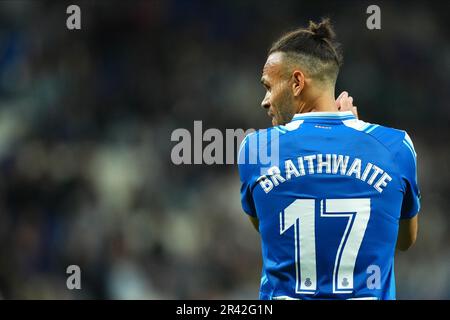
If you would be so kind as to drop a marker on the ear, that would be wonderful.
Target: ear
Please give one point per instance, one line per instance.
(299, 82)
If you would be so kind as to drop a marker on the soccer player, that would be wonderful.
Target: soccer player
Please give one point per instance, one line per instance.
(339, 195)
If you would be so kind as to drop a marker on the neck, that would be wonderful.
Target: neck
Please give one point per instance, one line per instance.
(322, 103)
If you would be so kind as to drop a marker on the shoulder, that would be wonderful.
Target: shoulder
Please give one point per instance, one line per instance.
(246, 145)
(393, 139)
(253, 141)
(397, 140)
(246, 154)
(258, 149)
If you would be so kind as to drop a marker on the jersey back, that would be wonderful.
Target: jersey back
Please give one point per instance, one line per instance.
(328, 191)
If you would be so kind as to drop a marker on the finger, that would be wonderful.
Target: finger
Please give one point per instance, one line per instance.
(339, 99)
(343, 94)
(346, 104)
(338, 103)
(350, 100)
(355, 112)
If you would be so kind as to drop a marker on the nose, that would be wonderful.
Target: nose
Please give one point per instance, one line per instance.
(265, 104)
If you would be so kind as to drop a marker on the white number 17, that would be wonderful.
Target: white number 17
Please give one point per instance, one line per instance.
(301, 215)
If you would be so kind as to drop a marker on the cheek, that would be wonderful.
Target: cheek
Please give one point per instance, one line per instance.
(276, 97)
(282, 99)
(285, 106)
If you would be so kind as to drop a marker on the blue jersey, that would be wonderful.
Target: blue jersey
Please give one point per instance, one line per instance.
(328, 191)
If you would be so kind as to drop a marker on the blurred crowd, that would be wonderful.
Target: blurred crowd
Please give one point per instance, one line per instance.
(85, 124)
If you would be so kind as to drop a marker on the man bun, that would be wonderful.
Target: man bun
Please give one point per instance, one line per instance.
(322, 30)
(318, 40)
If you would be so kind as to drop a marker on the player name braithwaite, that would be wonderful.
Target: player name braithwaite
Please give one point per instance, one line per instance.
(326, 164)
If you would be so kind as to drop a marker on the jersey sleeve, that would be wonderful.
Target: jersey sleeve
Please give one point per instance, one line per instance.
(246, 172)
(407, 162)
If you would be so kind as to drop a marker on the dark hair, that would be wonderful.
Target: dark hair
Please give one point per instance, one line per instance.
(318, 41)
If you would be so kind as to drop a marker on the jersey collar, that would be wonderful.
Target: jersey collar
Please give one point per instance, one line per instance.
(340, 115)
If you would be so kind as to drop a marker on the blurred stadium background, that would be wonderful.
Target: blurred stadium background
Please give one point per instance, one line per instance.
(85, 124)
